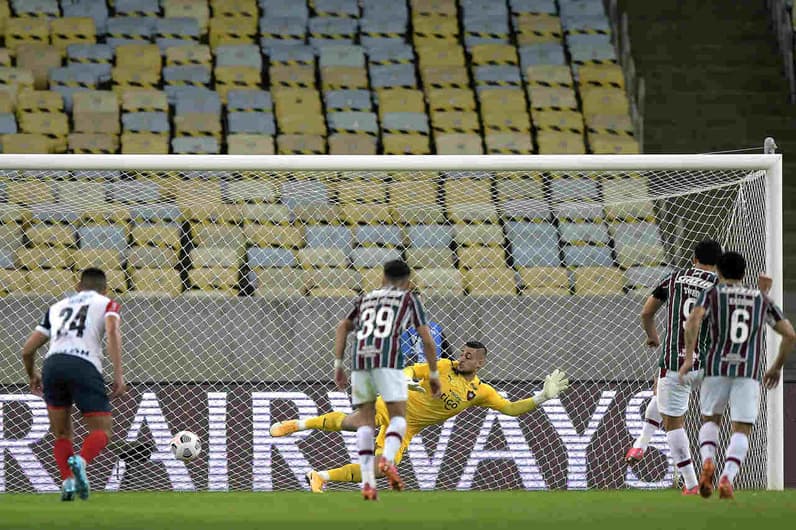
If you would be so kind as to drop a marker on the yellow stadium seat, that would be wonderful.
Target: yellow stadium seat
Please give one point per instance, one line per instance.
(322, 257)
(533, 28)
(508, 143)
(507, 121)
(442, 281)
(611, 144)
(435, 77)
(293, 75)
(617, 124)
(454, 121)
(274, 236)
(352, 144)
(51, 235)
(117, 281)
(627, 198)
(334, 282)
(199, 192)
(12, 213)
(478, 235)
(600, 100)
(232, 30)
(560, 143)
(157, 234)
(556, 98)
(292, 100)
(400, 100)
(7, 103)
(559, 121)
(419, 193)
(39, 59)
(198, 124)
(458, 144)
(26, 143)
(53, 125)
(211, 278)
(279, 283)
(406, 144)
(301, 144)
(433, 53)
(553, 75)
(601, 75)
(371, 279)
(598, 281)
(450, 99)
(366, 214)
(125, 78)
(360, 190)
(139, 57)
(302, 122)
(99, 101)
(144, 100)
(343, 78)
(502, 100)
(433, 7)
(156, 281)
(208, 257)
(467, 190)
(13, 281)
(11, 235)
(495, 281)
(5, 57)
(145, 143)
(234, 8)
(493, 53)
(481, 257)
(317, 213)
(96, 112)
(104, 259)
(5, 15)
(250, 144)
(18, 78)
(30, 192)
(197, 9)
(424, 258)
(545, 281)
(81, 195)
(189, 55)
(54, 282)
(72, 30)
(96, 122)
(25, 30)
(473, 213)
(435, 26)
(39, 101)
(218, 236)
(152, 258)
(43, 258)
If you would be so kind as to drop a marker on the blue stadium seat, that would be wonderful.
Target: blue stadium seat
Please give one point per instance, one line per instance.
(530, 234)
(238, 55)
(588, 256)
(430, 236)
(304, 192)
(342, 55)
(251, 123)
(133, 192)
(249, 100)
(379, 235)
(106, 237)
(337, 100)
(95, 58)
(584, 232)
(531, 209)
(154, 122)
(194, 74)
(574, 189)
(8, 123)
(195, 145)
(533, 6)
(392, 75)
(353, 122)
(95, 9)
(536, 256)
(155, 212)
(542, 53)
(329, 236)
(270, 257)
(194, 99)
(280, 8)
(176, 31)
(336, 8)
(373, 257)
(54, 213)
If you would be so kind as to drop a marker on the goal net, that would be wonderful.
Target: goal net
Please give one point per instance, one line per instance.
(231, 282)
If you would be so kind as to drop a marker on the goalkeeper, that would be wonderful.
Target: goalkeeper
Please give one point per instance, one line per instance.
(461, 389)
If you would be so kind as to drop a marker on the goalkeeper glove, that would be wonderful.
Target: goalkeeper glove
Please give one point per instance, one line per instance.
(413, 385)
(554, 384)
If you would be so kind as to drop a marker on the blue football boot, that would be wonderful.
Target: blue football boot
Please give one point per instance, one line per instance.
(68, 490)
(78, 467)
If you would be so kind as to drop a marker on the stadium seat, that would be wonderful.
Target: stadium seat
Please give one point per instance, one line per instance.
(79, 195)
(102, 237)
(157, 234)
(232, 30)
(429, 236)
(458, 144)
(445, 76)
(509, 189)
(481, 257)
(532, 234)
(455, 121)
(583, 233)
(51, 235)
(92, 143)
(129, 30)
(322, 257)
(480, 235)
(574, 189)
(144, 100)
(645, 278)
(553, 75)
(400, 100)
(258, 257)
(21, 31)
(392, 75)
(146, 122)
(240, 191)
(544, 281)
(611, 144)
(13, 281)
(158, 281)
(198, 124)
(379, 235)
(352, 144)
(197, 75)
(633, 193)
(95, 58)
(11, 237)
(490, 282)
(171, 32)
(347, 100)
(249, 100)
(56, 283)
(300, 144)
(278, 283)
(26, 143)
(467, 191)
(147, 257)
(67, 31)
(557, 142)
(96, 111)
(508, 143)
(439, 281)
(327, 282)
(207, 257)
(156, 212)
(353, 122)
(373, 257)
(144, 143)
(224, 279)
(638, 244)
(552, 97)
(428, 257)
(29, 193)
(43, 258)
(38, 59)
(34, 8)
(201, 145)
(250, 144)
(324, 236)
(598, 281)
(293, 75)
(274, 236)
(588, 256)
(218, 236)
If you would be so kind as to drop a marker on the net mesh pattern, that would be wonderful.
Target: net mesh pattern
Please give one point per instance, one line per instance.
(231, 284)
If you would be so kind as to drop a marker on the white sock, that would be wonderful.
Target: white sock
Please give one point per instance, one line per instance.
(652, 422)
(324, 475)
(736, 453)
(365, 444)
(394, 437)
(302, 425)
(708, 436)
(678, 445)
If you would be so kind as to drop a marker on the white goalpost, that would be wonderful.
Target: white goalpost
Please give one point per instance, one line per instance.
(232, 272)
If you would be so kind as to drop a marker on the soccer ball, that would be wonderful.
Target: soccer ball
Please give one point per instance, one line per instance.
(186, 446)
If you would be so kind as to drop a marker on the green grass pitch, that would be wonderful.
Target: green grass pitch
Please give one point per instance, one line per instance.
(614, 510)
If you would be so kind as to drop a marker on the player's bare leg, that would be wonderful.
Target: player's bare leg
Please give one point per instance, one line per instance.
(736, 454)
(708, 437)
(392, 443)
(61, 427)
(99, 432)
(681, 454)
(652, 422)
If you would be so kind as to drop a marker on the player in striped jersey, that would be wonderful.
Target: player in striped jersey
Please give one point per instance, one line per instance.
(379, 318)
(679, 291)
(735, 316)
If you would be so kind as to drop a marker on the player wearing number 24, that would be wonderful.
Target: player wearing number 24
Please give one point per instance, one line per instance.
(736, 316)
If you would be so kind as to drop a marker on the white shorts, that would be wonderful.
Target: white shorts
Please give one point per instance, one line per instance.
(673, 396)
(366, 385)
(742, 393)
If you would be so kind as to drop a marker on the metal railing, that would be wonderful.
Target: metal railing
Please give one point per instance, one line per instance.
(782, 24)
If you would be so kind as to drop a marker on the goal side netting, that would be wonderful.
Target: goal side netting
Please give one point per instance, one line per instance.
(231, 283)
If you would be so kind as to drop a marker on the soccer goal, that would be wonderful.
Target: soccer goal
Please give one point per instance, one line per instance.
(233, 271)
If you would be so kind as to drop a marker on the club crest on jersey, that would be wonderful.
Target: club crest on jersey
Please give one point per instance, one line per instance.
(470, 395)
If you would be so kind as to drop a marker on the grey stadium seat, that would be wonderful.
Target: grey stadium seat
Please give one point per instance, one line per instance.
(542, 53)
(330, 31)
(355, 122)
(533, 6)
(584, 232)
(586, 23)
(582, 8)
(249, 100)
(536, 256)
(239, 55)
(289, 52)
(335, 8)
(392, 75)
(134, 192)
(338, 100)
(95, 9)
(373, 257)
(584, 48)
(34, 8)
(342, 55)
(430, 236)
(530, 234)
(194, 74)
(136, 7)
(574, 188)
(480, 8)
(155, 122)
(200, 145)
(381, 235)
(276, 8)
(176, 31)
(270, 257)
(525, 209)
(405, 121)
(155, 212)
(251, 123)
(588, 256)
(282, 30)
(493, 74)
(8, 123)
(96, 58)
(106, 237)
(385, 9)
(304, 192)
(194, 99)
(329, 236)
(127, 30)
(391, 52)
(54, 213)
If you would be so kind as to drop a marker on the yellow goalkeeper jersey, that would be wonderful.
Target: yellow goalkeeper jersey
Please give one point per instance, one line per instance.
(458, 394)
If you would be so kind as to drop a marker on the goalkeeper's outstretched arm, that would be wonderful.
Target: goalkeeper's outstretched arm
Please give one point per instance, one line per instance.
(554, 384)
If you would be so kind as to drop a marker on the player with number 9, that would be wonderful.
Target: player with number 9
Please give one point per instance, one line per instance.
(735, 316)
